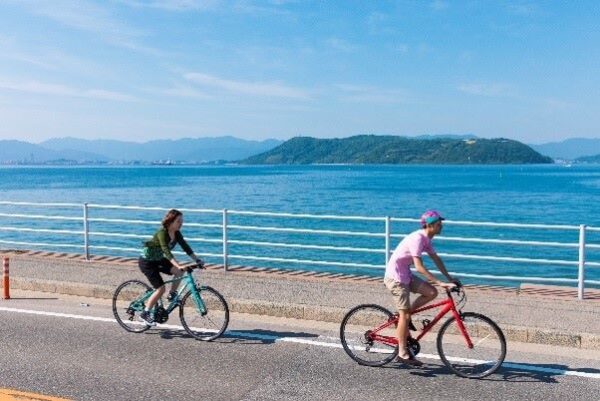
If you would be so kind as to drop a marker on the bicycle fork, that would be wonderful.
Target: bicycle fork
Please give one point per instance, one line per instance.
(462, 328)
(200, 305)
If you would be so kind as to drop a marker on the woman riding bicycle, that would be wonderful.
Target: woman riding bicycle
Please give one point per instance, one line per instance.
(157, 258)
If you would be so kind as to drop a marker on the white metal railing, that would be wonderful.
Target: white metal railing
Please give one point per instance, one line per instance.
(71, 213)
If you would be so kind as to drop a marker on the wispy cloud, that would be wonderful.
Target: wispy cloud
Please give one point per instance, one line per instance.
(523, 8)
(555, 104)
(175, 5)
(489, 89)
(181, 91)
(51, 59)
(439, 5)
(90, 17)
(27, 58)
(341, 45)
(269, 89)
(270, 8)
(43, 88)
(373, 94)
(379, 23)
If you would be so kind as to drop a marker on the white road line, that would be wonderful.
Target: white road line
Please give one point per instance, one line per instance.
(299, 340)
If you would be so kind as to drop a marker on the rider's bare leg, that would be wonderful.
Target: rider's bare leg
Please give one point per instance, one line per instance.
(427, 293)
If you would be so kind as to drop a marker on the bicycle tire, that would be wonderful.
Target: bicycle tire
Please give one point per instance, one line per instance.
(354, 331)
(210, 325)
(487, 354)
(124, 307)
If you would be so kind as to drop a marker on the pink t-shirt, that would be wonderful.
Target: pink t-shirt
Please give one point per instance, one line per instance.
(414, 244)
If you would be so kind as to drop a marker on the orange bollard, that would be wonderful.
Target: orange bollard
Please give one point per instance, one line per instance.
(5, 281)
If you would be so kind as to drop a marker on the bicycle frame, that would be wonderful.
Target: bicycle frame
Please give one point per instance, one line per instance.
(190, 283)
(447, 305)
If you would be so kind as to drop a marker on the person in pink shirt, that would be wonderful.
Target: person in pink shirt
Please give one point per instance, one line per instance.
(401, 282)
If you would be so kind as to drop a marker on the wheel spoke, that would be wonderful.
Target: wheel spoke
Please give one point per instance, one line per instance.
(209, 325)
(128, 302)
(356, 334)
(487, 353)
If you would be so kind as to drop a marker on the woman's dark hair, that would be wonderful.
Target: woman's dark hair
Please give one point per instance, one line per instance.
(170, 217)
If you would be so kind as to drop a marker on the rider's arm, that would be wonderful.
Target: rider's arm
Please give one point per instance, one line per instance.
(185, 246)
(441, 266)
(418, 262)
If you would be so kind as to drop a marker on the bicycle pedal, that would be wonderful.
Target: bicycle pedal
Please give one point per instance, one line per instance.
(425, 322)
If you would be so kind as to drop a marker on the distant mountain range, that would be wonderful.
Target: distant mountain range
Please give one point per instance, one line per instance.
(372, 149)
(189, 150)
(570, 149)
(375, 149)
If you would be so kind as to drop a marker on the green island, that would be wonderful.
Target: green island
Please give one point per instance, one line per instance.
(377, 149)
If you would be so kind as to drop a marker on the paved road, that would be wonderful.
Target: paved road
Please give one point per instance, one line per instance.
(59, 353)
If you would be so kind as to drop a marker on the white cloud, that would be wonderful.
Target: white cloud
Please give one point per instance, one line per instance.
(380, 23)
(90, 17)
(556, 104)
(401, 48)
(488, 89)
(341, 45)
(269, 89)
(181, 91)
(523, 9)
(439, 5)
(42, 88)
(373, 94)
(27, 58)
(108, 95)
(250, 7)
(175, 5)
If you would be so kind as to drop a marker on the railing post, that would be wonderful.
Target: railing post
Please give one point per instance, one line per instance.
(5, 278)
(86, 231)
(387, 238)
(225, 264)
(581, 279)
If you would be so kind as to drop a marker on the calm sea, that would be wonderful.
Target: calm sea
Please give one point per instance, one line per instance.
(545, 194)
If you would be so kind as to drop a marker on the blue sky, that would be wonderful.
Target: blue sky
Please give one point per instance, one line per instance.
(140, 70)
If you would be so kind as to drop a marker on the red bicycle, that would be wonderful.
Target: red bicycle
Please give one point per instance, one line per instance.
(470, 344)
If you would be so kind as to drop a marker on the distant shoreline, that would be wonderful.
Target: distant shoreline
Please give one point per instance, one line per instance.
(563, 163)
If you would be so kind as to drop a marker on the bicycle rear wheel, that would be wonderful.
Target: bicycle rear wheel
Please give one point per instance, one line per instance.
(355, 334)
(489, 346)
(128, 302)
(211, 323)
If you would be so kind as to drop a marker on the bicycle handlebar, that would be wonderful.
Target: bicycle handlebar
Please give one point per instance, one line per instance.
(198, 265)
(458, 288)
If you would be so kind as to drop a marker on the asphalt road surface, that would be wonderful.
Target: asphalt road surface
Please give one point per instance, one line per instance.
(71, 348)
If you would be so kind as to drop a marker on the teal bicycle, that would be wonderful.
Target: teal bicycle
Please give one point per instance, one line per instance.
(203, 312)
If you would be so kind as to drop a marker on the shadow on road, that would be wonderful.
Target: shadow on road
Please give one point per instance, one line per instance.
(256, 336)
(514, 373)
(260, 336)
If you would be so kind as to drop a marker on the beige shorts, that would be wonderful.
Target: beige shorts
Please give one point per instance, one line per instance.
(401, 292)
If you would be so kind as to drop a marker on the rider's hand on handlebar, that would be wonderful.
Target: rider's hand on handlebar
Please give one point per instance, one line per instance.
(200, 263)
(447, 285)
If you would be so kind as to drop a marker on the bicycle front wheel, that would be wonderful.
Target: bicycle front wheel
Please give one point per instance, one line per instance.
(357, 330)
(207, 324)
(489, 346)
(127, 304)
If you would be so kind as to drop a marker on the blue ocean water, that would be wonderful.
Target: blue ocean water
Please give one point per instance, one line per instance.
(537, 194)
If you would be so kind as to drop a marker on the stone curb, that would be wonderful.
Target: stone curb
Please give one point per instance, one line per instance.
(310, 312)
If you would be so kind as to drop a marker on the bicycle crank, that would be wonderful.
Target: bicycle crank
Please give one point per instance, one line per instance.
(413, 346)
